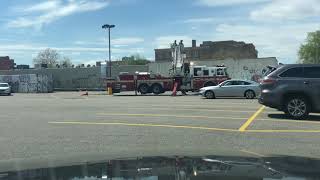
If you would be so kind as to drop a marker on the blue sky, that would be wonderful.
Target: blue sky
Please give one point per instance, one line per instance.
(73, 27)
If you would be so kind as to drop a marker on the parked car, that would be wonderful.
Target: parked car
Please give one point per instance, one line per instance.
(232, 88)
(5, 89)
(294, 89)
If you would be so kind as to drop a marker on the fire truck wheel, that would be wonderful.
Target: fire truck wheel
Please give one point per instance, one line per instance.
(143, 88)
(209, 95)
(156, 89)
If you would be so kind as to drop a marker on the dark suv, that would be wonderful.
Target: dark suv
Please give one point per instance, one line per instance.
(294, 89)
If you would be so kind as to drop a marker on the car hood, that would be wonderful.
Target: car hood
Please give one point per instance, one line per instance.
(179, 167)
(209, 87)
(4, 88)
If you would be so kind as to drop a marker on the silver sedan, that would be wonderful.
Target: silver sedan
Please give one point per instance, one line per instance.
(232, 88)
(5, 89)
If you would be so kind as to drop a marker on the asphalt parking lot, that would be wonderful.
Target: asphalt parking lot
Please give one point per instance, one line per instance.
(66, 127)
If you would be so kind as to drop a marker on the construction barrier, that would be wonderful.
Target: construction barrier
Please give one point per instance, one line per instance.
(109, 91)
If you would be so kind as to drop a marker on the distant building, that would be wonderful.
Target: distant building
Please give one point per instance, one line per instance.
(23, 66)
(6, 63)
(41, 66)
(210, 50)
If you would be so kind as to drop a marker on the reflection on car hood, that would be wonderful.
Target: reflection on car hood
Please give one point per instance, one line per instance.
(4, 88)
(175, 167)
(209, 87)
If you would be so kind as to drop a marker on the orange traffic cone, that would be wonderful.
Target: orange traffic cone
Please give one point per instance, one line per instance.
(174, 91)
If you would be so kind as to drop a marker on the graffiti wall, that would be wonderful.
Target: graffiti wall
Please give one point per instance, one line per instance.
(247, 69)
(29, 83)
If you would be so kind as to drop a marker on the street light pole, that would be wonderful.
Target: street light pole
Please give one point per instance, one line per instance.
(108, 26)
(109, 54)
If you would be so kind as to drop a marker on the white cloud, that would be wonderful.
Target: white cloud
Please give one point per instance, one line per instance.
(118, 42)
(287, 10)
(279, 41)
(30, 48)
(56, 11)
(127, 41)
(43, 6)
(199, 20)
(165, 41)
(214, 3)
(80, 42)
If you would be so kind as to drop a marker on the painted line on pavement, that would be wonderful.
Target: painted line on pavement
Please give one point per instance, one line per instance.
(282, 131)
(251, 119)
(252, 153)
(188, 109)
(169, 115)
(293, 121)
(205, 106)
(180, 127)
(143, 125)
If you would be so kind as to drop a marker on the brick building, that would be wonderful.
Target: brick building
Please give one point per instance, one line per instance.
(6, 63)
(209, 50)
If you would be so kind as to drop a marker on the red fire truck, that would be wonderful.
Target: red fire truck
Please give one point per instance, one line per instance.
(183, 77)
(144, 82)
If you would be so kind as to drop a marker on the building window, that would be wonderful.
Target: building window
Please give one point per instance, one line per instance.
(195, 54)
(206, 72)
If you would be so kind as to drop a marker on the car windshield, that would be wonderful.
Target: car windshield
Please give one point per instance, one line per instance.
(86, 81)
(4, 85)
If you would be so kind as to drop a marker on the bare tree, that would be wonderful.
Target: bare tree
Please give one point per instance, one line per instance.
(66, 62)
(48, 56)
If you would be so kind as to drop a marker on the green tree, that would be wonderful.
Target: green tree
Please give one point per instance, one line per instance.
(309, 53)
(135, 59)
(47, 56)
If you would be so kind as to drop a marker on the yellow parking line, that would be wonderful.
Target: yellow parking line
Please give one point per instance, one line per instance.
(204, 106)
(251, 119)
(189, 109)
(294, 121)
(181, 127)
(283, 131)
(142, 125)
(252, 153)
(168, 115)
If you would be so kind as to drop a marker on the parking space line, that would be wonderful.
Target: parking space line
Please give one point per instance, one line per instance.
(205, 106)
(189, 109)
(252, 153)
(251, 119)
(168, 115)
(143, 125)
(293, 121)
(282, 131)
(181, 127)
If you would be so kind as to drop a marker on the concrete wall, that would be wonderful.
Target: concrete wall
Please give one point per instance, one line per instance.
(248, 69)
(77, 78)
(29, 83)
(129, 68)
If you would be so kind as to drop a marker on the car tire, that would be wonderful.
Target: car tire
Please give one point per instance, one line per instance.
(143, 88)
(157, 89)
(209, 95)
(297, 107)
(249, 94)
